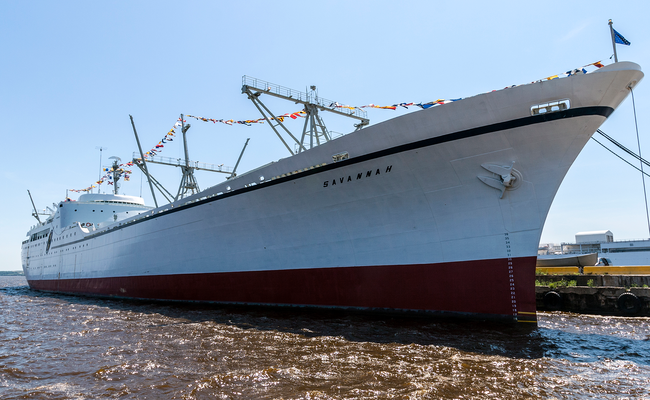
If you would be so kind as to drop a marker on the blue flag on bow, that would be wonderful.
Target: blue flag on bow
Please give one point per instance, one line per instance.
(618, 38)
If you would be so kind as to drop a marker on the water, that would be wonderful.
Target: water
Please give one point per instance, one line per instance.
(67, 347)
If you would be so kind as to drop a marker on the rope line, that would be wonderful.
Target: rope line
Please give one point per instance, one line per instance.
(624, 160)
(625, 149)
(638, 141)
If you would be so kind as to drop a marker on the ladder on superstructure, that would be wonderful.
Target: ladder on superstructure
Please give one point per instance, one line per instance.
(314, 130)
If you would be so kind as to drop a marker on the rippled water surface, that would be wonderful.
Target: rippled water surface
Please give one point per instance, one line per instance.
(67, 347)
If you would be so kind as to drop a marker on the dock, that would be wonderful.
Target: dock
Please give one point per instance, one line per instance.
(603, 290)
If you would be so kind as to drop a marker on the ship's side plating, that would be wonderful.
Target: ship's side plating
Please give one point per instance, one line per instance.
(405, 223)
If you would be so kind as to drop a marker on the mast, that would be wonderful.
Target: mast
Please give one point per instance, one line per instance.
(115, 170)
(314, 127)
(35, 214)
(100, 148)
(611, 30)
(617, 38)
(234, 171)
(144, 164)
(187, 157)
(188, 182)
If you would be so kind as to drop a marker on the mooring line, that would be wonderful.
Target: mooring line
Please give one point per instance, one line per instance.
(638, 141)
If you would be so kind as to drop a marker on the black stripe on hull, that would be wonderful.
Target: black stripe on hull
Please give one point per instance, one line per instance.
(450, 137)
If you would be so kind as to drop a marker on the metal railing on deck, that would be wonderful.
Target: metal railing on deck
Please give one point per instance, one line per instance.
(307, 97)
(178, 162)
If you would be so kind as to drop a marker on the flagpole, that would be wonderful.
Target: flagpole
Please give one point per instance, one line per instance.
(611, 30)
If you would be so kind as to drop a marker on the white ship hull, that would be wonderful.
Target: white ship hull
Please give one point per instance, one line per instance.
(404, 224)
(641, 258)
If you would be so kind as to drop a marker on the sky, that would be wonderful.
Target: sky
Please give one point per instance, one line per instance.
(73, 71)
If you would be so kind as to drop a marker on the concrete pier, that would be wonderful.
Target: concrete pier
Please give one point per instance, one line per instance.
(589, 293)
(604, 300)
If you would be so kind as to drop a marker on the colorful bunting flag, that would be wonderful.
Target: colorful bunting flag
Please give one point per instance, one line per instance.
(172, 132)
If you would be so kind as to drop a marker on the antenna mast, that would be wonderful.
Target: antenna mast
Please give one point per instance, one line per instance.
(100, 148)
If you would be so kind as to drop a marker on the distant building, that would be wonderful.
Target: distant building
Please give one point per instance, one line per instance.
(623, 252)
(588, 242)
(549, 248)
(594, 237)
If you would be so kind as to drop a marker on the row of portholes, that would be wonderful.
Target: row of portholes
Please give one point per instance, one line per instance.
(66, 236)
(68, 249)
(117, 202)
(228, 188)
(153, 212)
(298, 171)
(103, 211)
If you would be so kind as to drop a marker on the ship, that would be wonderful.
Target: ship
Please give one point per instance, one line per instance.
(436, 212)
(601, 248)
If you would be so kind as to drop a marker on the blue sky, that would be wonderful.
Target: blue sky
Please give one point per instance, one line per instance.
(72, 72)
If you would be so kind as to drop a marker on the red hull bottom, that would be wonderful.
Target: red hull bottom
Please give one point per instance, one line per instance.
(496, 289)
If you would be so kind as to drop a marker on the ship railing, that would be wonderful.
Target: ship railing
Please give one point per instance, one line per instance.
(179, 162)
(604, 242)
(629, 240)
(306, 96)
(103, 227)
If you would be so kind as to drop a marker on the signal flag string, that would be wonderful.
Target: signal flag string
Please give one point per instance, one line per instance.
(168, 137)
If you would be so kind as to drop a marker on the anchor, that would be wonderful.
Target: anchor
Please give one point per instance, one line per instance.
(506, 177)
